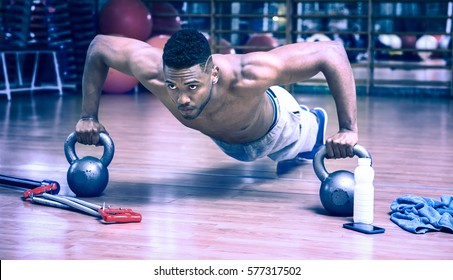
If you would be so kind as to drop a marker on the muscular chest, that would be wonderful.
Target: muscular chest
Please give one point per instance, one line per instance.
(233, 119)
(234, 122)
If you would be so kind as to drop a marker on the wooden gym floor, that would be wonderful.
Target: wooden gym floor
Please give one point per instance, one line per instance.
(197, 203)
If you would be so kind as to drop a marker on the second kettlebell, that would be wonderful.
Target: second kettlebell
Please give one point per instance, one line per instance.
(88, 176)
(337, 188)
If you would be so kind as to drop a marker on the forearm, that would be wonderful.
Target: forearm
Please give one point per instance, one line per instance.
(94, 75)
(92, 91)
(340, 78)
(346, 104)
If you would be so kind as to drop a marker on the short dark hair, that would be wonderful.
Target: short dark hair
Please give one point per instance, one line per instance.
(186, 48)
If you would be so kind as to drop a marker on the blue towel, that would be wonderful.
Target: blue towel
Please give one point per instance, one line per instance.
(418, 214)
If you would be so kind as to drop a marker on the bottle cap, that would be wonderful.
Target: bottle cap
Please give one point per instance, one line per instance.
(364, 161)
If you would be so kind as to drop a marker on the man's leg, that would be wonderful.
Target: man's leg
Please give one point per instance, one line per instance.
(296, 117)
(322, 118)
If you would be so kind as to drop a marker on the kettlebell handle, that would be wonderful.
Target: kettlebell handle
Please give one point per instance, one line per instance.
(318, 160)
(104, 139)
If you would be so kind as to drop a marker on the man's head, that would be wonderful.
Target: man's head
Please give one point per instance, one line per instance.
(189, 71)
(186, 48)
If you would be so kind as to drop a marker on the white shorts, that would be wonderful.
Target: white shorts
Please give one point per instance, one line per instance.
(293, 132)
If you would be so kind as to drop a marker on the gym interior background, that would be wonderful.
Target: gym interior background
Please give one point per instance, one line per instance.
(395, 47)
(196, 202)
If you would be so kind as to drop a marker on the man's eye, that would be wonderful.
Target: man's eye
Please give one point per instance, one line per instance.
(193, 87)
(171, 86)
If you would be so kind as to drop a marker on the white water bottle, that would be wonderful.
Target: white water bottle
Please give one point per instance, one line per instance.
(364, 192)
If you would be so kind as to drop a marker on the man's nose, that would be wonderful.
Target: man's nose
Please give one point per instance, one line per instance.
(183, 99)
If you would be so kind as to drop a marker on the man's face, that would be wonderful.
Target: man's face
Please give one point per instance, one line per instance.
(190, 89)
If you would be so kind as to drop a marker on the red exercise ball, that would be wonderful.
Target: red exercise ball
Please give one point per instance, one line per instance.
(408, 41)
(130, 18)
(158, 41)
(224, 47)
(260, 42)
(118, 82)
(165, 18)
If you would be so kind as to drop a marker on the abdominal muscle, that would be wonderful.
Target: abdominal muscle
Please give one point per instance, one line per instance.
(243, 129)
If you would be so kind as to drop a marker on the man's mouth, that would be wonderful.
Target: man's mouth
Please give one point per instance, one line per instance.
(186, 109)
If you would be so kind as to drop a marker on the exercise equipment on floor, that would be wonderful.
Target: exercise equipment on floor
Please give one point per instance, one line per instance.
(107, 215)
(45, 193)
(88, 176)
(337, 188)
(48, 185)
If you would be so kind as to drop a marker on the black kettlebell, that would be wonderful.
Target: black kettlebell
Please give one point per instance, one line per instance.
(337, 188)
(88, 176)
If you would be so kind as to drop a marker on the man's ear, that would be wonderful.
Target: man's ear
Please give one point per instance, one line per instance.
(215, 74)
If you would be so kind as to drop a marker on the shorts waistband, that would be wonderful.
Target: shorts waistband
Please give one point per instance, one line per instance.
(274, 101)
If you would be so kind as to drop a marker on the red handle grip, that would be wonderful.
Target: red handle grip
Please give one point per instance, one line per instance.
(120, 215)
(51, 188)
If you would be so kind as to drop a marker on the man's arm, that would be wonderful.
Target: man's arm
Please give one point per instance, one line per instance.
(296, 63)
(124, 54)
(339, 76)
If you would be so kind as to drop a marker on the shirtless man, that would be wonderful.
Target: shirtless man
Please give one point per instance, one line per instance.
(231, 98)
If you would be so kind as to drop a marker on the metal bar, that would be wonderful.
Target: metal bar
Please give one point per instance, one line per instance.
(449, 12)
(35, 71)
(73, 204)
(19, 69)
(82, 202)
(5, 75)
(370, 51)
(48, 202)
(57, 73)
(19, 182)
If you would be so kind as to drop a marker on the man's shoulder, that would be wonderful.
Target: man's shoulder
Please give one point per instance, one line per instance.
(239, 78)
